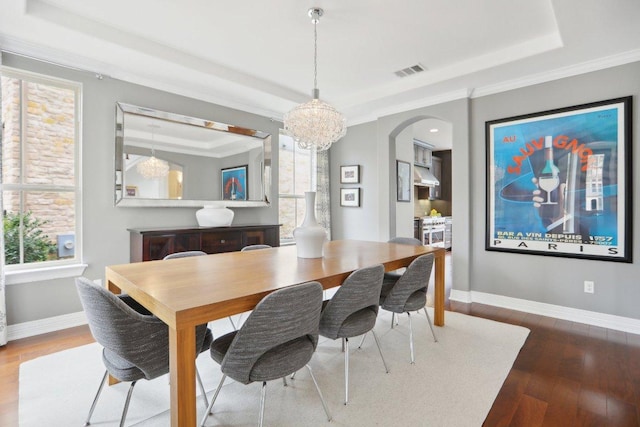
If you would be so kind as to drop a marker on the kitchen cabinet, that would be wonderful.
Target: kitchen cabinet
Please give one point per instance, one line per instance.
(435, 193)
(445, 174)
(155, 244)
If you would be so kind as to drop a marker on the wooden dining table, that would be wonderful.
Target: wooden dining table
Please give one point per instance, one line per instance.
(187, 292)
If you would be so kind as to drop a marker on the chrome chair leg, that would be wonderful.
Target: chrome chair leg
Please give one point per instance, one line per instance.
(393, 318)
(411, 339)
(293, 376)
(362, 342)
(263, 396)
(95, 400)
(380, 351)
(202, 390)
(324, 405)
(126, 403)
(284, 381)
(233, 324)
(213, 400)
(345, 342)
(430, 325)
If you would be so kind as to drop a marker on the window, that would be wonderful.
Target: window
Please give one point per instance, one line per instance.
(296, 170)
(40, 171)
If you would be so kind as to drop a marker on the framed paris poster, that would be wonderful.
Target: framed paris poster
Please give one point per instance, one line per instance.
(234, 183)
(559, 182)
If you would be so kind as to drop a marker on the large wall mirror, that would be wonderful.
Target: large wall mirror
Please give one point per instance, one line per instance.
(166, 159)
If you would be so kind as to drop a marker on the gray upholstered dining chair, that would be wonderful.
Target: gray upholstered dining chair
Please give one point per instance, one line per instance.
(409, 293)
(136, 343)
(255, 247)
(278, 338)
(186, 254)
(395, 274)
(353, 311)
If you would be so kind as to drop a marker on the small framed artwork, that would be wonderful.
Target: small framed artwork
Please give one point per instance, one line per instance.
(403, 180)
(350, 174)
(350, 197)
(234, 183)
(132, 191)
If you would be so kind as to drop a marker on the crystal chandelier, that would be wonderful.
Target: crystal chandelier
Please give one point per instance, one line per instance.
(153, 167)
(315, 124)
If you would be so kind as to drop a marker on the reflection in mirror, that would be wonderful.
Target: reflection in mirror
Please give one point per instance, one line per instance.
(165, 159)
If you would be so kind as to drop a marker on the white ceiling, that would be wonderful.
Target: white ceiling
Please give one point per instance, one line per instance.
(258, 55)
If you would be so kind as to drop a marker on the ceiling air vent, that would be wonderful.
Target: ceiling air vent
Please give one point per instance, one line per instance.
(409, 71)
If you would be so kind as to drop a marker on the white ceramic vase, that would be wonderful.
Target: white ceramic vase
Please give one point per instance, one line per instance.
(214, 216)
(310, 236)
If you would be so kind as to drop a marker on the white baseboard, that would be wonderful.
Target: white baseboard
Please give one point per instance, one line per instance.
(43, 326)
(609, 321)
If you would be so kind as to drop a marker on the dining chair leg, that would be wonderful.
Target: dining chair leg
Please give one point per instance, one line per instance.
(202, 390)
(263, 396)
(284, 381)
(213, 400)
(393, 318)
(362, 342)
(95, 400)
(380, 351)
(324, 404)
(233, 324)
(126, 403)
(293, 376)
(411, 339)
(430, 325)
(346, 370)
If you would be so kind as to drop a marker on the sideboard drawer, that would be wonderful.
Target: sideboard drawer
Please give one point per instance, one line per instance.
(155, 243)
(221, 241)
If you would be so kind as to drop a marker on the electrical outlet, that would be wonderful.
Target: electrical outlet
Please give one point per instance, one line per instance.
(589, 286)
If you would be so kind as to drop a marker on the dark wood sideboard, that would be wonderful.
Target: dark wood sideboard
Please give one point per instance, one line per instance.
(148, 244)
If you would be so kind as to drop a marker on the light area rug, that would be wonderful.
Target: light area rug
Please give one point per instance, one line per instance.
(452, 383)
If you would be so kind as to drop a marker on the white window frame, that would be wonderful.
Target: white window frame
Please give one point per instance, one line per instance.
(313, 164)
(45, 270)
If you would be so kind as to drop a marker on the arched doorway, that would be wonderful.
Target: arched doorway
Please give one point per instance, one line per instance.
(422, 128)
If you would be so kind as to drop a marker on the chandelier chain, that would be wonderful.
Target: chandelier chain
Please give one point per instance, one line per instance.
(315, 54)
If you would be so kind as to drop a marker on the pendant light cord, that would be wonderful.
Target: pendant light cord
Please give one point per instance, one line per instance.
(315, 53)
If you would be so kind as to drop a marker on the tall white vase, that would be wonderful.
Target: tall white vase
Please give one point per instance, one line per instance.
(310, 236)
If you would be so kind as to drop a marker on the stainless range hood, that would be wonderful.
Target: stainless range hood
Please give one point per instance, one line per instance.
(423, 177)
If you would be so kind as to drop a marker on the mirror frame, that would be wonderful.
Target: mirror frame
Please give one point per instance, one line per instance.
(119, 184)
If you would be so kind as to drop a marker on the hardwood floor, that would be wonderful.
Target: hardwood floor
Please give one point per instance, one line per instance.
(567, 374)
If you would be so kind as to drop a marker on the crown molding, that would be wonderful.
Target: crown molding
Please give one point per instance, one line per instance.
(409, 106)
(560, 73)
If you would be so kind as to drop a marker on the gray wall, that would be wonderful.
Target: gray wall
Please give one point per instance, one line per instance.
(543, 279)
(374, 146)
(550, 279)
(106, 240)
(537, 278)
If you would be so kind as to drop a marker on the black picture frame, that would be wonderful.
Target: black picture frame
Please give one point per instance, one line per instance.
(235, 183)
(559, 182)
(350, 197)
(350, 174)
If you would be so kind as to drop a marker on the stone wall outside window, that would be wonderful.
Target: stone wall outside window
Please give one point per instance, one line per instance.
(49, 151)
